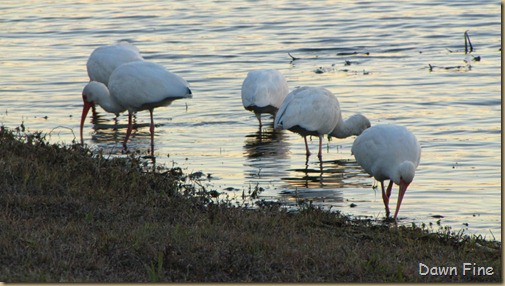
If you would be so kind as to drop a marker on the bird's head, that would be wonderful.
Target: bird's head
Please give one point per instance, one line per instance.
(90, 95)
(407, 171)
(93, 91)
(359, 122)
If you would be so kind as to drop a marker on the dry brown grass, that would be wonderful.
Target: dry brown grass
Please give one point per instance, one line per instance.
(67, 214)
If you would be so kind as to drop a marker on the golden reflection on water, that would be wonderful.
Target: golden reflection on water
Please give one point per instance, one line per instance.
(454, 113)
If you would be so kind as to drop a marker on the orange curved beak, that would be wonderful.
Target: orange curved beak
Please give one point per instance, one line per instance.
(85, 109)
(403, 188)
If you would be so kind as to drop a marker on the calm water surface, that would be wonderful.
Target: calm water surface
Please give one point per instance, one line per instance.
(454, 108)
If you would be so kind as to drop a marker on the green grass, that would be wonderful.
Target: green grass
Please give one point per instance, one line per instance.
(70, 215)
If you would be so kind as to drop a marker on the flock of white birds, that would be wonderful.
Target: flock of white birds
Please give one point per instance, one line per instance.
(121, 80)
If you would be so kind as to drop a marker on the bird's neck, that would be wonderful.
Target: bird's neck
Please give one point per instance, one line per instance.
(109, 104)
(349, 127)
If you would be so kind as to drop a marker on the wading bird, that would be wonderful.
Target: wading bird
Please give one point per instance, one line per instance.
(135, 86)
(316, 111)
(104, 60)
(263, 91)
(387, 151)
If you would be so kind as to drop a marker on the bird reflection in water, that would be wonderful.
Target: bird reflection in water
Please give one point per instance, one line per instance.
(108, 137)
(323, 181)
(107, 134)
(266, 152)
(325, 174)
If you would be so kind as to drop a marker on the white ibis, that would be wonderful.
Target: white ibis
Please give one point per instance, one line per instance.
(263, 91)
(135, 86)
(103, 61)
(387, 151)
(316, 111)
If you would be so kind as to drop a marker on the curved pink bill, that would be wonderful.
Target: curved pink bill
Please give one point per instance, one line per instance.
(403, 189)
(85, 110)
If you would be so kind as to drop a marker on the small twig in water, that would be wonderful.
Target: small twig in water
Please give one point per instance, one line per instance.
(293, 58)
(469, 44)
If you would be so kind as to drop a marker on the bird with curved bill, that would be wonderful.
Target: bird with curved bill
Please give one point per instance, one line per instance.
(316, 111)
(135, 86)
(105, 59)
(388, 152)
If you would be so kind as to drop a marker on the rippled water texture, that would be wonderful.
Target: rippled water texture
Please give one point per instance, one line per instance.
(394, 61)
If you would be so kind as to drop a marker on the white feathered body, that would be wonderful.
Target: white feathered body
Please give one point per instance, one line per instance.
(309, 111)
(383, 150)
(104, 60)
(263, 91)
(143, 85)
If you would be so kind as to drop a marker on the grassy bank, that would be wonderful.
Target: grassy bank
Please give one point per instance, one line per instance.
(67, 214)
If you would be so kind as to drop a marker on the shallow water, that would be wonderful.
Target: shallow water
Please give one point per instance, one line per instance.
(454, 109)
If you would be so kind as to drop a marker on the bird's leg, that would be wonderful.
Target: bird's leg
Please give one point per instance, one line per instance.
(152, 132)
(320, 153)
(385, 199)
(321, 173)
(93, 110)
(116, 121)
(388, 191)
(260, 130)
(307, 152)
(258, 115)
(129, 130)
